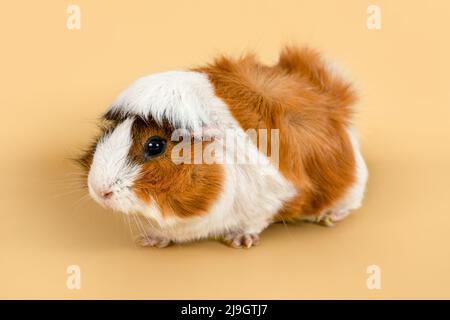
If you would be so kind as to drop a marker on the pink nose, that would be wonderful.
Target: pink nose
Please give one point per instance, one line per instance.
(106, 194)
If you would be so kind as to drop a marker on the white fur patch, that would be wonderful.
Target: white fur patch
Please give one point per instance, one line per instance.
(111, 171)
(355, 194)
(180, 97)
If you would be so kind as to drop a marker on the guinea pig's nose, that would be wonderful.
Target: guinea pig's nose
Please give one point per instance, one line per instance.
(106, 194)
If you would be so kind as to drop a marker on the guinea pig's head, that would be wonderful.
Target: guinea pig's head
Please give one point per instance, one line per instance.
(130, 167)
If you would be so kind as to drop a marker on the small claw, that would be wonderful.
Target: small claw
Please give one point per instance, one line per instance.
(239, 240)
(327, 221)
(149, 241)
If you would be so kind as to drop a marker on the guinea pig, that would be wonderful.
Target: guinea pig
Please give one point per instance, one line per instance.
(294, 117)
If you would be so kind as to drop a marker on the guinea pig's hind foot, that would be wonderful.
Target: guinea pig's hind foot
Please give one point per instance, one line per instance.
(331, 217)
(327, 218)
(338, 215)
(241, 240)
(145, 240)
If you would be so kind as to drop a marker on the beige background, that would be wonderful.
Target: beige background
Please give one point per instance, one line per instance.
(55, 82)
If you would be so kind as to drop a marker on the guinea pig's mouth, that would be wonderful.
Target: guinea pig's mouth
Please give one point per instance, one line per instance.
(110, 196)
(102, 196)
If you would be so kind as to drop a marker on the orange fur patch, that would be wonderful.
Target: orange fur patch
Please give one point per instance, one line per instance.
(309, 106)
(184, 190)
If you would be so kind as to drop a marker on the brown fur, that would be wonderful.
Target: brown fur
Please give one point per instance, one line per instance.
(182, 189)
(309, 106)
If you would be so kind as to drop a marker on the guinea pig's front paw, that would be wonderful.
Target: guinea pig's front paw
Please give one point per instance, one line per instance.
(152, 241)
(241, 240)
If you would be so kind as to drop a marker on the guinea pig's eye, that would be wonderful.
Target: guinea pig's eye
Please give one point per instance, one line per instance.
(155, 146)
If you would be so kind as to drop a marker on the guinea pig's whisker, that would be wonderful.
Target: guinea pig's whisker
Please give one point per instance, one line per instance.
(139, 225)
(73, 176)
(286, 227)
(66, 193)
(138, 229)
(81, 201)
(149, 221)
(128, 223)
(68, 182)
(134, 225)
(69, 179)
(73, 173)
(144, 226)
(77, 203)
(122, 218)
(71, 184)
(63, 191)
(76, 174)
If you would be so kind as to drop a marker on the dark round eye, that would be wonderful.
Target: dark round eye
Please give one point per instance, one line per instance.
(155, 146)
